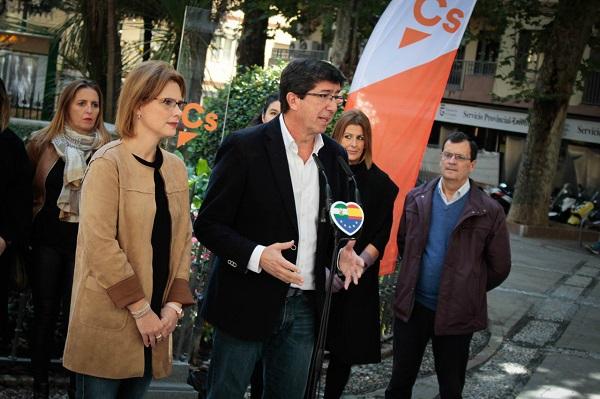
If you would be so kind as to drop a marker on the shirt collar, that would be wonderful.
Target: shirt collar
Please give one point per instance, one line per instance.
(458, 194)
(290, 143)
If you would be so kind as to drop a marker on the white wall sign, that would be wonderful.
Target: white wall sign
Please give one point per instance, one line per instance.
(513, 121)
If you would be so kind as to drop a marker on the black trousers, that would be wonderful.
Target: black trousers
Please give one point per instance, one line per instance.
(338, 373)
(450, 352)
(51, 283)
(5, 334)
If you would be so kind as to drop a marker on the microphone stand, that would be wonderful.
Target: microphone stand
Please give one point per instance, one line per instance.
(319, 349)
(351, 178)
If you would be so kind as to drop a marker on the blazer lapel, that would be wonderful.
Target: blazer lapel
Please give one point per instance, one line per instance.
(281, 170)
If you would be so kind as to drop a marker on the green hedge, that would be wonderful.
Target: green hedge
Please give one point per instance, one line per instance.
(247, 93)
(24, 127)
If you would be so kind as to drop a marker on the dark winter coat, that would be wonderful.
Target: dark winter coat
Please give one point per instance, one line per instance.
(354, 333)
(477, 260)
(15, 186)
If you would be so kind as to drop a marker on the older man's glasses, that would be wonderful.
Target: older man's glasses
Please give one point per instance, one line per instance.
(446, 156)
(339, 100)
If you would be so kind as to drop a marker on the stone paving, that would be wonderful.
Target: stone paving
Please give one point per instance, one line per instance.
(545, 330)
(543, 340)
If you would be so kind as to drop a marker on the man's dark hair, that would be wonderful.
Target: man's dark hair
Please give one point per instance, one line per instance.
(302, 74)
(459, 137)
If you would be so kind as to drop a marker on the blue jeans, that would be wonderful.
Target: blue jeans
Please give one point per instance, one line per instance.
(285, 356)
(89, 387)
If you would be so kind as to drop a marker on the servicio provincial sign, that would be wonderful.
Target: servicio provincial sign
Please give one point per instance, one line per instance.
(513, 121)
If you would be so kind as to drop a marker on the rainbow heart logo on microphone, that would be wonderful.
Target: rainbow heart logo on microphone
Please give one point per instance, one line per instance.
(347, 216)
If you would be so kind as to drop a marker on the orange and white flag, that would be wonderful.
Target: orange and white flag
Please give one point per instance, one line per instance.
(399, 83)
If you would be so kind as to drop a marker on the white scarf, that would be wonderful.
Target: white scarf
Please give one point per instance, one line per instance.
(74, 148)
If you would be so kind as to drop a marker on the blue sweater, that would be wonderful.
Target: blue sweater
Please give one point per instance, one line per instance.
(443, 220)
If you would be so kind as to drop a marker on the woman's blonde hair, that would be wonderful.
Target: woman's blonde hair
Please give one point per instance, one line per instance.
(61, 116)
(141, 86)
(4, 107)
(356, 117)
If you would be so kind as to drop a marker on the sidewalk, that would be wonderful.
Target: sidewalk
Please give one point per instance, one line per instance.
(543, 340)
(545, 330)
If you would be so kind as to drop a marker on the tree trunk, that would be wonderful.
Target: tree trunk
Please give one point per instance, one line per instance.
(94, 14)
(199, 43)
(344, 49)
(198, 32)
(111, 30)
(102, 48)
(353, 56)
(566, 40)
(251, 49)
(342, 36)
(147, 38)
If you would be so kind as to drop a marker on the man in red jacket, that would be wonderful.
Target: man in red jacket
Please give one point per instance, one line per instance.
(455, 247)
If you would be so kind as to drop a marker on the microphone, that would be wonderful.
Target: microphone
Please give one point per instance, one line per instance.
(350, 177)
(328, 193)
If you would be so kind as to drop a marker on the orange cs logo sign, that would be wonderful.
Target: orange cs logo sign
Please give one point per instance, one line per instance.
(209, 123)
(192, 119)
(451, 20)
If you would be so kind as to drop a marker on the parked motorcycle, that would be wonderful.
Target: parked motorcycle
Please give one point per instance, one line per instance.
(503, 194)
(567, 197)
(583, 210)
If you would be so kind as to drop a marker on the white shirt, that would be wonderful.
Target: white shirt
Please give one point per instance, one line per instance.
(461, 192)
(305, 184)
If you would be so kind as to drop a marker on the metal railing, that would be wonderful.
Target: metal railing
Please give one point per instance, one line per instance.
(290, 54)
(591, 89)
(26, 107)
(462, 68)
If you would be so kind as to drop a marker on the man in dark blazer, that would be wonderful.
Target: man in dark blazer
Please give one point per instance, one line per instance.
(264, 218)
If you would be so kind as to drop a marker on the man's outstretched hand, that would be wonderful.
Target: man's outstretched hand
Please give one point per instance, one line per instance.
(350, 264)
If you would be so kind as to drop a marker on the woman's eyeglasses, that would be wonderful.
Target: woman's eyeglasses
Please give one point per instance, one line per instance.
(171, 102)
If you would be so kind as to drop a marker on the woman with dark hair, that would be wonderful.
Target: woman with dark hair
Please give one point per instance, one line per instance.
(354, 326)
(15, 204)
(59, 154)
(133, 250)
(270, 110)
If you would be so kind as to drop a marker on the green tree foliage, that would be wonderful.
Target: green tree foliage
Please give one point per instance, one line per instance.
(235, 104)
(86, 34)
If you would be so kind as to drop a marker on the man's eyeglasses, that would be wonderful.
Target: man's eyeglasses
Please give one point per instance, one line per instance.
(171, 102)
(339, 100)
(446, 156)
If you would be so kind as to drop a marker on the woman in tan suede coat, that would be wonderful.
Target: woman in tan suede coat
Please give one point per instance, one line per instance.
(133, 248)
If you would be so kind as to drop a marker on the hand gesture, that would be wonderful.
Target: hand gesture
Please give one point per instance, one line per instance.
(350, 264)
(273, 262)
